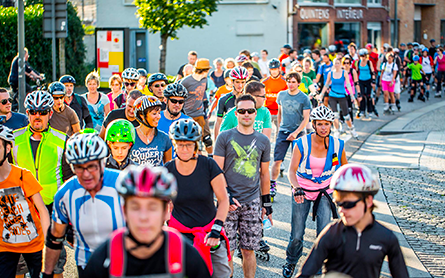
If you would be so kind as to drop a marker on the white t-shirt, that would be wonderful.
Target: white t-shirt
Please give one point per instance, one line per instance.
(287, 63)
(387, 70)
(264, 66)
(426, 65)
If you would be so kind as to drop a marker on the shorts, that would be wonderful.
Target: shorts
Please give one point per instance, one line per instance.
(204, 125)
(282, 145)
(247, 221)
(386, 86)
(426, 78)
(10, 260)
(344, 108)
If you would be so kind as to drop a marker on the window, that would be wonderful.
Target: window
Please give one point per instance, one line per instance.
(128, 2)
(375, 34)
(348, 2)
(312, 1)
(347, 33)
(312, 35)
(374, 2)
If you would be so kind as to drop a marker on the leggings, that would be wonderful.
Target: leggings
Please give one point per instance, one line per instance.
(365, 90)
(440, 78)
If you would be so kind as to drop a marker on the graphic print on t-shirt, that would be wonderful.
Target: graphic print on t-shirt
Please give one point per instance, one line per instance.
(147, 155)
(18, 225)
(246, 162)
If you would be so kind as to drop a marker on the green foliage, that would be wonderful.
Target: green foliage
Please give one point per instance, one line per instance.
(89, 30)
(40, 56)
(167, 17)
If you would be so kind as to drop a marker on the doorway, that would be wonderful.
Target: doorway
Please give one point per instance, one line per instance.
(375, 34)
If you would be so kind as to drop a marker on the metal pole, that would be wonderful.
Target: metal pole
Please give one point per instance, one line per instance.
(53, 35)
(21, 39)
(396, 26)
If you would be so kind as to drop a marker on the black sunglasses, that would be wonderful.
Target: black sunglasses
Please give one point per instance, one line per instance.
(132, 84)
(56, 98)
(348, 205)
(41, 112)
(174, 101)
(243, 111)
(6, 100)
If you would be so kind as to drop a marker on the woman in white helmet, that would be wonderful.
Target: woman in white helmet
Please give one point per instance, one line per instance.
(315, 158)
(356, 244)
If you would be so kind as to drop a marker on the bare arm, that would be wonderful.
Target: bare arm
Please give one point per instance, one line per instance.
(317, 79)
(43, 212)
(107, 109)
(219, 188)
(279, 116)
(265, 178)
(52, 255)
(102, 132)
(75, 127)
(167, 155)
(293, 167)
(267, 132)
(326, 84)
(220, 161)
(343, 160)
(217, 126)
(355, 78)
(301, 127)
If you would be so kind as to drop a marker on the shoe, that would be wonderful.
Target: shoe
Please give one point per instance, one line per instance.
(411, 99)
(422, 98)
(273, 188)
(263, 246)
(288, 270)
(427, 95)
(357, 116)
(438, 95)
(354, 133)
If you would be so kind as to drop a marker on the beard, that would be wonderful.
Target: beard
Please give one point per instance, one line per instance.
(174, 114)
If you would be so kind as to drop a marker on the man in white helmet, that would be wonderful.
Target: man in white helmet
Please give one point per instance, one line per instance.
(356, 244)
(89, 201)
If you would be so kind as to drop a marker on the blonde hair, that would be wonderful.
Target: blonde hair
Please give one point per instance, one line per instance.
(218, 60)
(229, 60)
(94, 75)
(115, 77)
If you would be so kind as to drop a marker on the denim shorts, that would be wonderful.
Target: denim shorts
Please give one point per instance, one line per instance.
(282, 145)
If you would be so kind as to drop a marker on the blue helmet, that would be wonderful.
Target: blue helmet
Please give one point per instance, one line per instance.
(416, 58)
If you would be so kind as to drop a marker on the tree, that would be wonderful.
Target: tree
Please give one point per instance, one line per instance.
(168, 16)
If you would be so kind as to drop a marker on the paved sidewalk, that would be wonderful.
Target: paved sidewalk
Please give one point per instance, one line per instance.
(411, 163)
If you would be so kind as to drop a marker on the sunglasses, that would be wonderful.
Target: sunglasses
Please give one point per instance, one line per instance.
(348, 205)
(132, 84)
(159, 85)
(346, 63)
(243, 111)
(56, 98)
(6, 100)
(41, 112)
(174, 101)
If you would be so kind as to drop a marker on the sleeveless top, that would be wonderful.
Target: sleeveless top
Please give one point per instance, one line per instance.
(338, 86)
(441, 63)
(351, 81)
(365, 72)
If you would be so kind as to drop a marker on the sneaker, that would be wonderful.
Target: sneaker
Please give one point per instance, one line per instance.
(354, 133)
(437, 95)
(411, 99)
(263, 246)
(288, 270)
(422, 98)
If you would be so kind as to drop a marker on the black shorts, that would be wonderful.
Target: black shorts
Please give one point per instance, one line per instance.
(426, 78)
(344, 108)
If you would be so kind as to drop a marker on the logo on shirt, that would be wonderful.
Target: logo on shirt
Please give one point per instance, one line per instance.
(18, 225)
(375, 247)
(246, 162)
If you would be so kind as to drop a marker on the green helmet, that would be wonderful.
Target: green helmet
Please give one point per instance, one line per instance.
(120, 130)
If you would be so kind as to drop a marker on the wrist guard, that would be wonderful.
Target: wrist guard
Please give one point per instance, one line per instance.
(267, 203)
(298, 192)
(216, 229)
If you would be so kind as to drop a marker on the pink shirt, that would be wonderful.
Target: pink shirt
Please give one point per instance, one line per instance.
(351, 82)
(441, 62)
(317, 166)
(110, 97)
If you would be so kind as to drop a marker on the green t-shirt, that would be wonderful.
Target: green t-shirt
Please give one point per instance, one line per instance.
(307, 82)
(262, 120)
(311, 75)
(415, 71)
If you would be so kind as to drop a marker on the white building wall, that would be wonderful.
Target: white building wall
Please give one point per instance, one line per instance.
(233, 27)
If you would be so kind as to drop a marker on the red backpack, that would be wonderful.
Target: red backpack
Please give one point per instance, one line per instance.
(174, 255)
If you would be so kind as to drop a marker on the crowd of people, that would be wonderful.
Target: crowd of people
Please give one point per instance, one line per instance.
(137, 182)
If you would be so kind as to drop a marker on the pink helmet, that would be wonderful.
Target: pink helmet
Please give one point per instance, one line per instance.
(355, 178)
(241, 58)
(146, 181)
(239, 73)
(369, 46)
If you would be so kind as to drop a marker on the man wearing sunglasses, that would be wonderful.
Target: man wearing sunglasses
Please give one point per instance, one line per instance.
(356, 244)
(41, 149)
(156, 85)
(244, 155)
(8, 118)
(64, 118)
(126, 113)
(130, 78)
(89, 201)
(175, 95)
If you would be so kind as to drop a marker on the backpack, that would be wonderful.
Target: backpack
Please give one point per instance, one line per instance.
(174, 256)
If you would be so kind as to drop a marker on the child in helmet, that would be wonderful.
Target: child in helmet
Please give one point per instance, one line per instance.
(416, 79)
(120, 136)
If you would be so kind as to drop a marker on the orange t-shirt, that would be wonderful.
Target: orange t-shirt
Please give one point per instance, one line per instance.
(273, 87)
(221, 91)
(20, 227)
(281, 58)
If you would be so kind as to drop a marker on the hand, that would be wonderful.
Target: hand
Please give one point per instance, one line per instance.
(298, 195)
(263, 213)
(210, 241)
(291, 137)
(235, 206)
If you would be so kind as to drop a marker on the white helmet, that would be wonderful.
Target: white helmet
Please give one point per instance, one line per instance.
(355, 178)
(332, 48)
(363, 52)
(130, 73)
(85, 146)
(39, 100)
(6, 134)
(322, 113)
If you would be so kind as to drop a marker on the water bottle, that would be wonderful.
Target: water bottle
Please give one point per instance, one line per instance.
(266, 224)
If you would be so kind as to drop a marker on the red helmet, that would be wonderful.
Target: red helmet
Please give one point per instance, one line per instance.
(239, 73)
(355, 178)
(147, 181)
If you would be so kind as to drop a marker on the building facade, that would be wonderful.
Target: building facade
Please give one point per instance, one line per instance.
(324, 22)
(419, 20)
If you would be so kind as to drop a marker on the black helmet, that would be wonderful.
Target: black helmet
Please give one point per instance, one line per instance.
(175, 90)
(56, 88)
(67, 79)
(185, 130)
(274, 64)
(142, 72)
(157, 77)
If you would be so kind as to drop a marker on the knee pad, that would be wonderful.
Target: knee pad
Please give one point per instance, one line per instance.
(336, 115)
(207, 140)
(347, 117)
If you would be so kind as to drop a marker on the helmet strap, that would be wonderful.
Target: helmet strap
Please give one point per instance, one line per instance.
(139, 244)
(187, 160)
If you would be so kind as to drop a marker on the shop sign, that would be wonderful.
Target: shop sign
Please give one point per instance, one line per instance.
(349, 13)
(314, 13)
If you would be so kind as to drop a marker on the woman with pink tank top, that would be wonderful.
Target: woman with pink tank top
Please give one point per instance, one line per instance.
(440, 76)
(315, 159)
(354, 95)
(115, 83)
